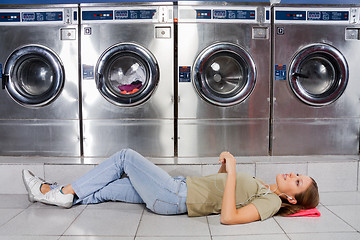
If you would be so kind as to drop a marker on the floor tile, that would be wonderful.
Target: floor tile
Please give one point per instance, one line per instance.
(14, 201)
(328, 222)
(179, 225)
(106, 222)
(29, 237)
(340, 198)
(268, 226)
(7, 214)
(95, 238)
(173, 238)
(253, 237)
(325, 236)
(44, 221)
(349, 214)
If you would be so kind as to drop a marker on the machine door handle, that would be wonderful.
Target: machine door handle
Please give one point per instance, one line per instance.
(5, 80)
(300, 75)
(99, 84)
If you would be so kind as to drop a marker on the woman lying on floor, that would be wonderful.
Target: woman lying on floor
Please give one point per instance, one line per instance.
(239, 197)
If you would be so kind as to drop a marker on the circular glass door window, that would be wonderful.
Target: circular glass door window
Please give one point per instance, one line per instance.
(34, 76)
(224, 74)
(318, 74)
(127, 74)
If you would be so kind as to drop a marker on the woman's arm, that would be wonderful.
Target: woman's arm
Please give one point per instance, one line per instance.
(229, 213)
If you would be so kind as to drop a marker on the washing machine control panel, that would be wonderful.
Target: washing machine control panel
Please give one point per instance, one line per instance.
(314, 15)
(65, 15)
(226, 14)
(152, 14)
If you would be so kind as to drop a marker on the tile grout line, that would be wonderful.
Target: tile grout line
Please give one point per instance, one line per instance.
(358, 176)
(137, 229)
(286, 234)
(73, 221)
(22, 210)
(207, 220)
(340, 218)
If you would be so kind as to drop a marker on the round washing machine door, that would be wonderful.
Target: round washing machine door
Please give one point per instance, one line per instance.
(318, 74)
(224, 74)
(127, 74)
(33, 76)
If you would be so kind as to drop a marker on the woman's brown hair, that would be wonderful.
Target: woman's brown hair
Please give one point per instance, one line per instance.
(305, 200)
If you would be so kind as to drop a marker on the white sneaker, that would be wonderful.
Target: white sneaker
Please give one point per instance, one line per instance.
(55, 197)
(32, 184)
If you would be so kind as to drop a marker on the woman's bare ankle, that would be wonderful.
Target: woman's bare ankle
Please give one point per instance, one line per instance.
(45, 188)
(68, 190)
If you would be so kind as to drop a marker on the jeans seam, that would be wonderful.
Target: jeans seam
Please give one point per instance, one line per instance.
(158, 200)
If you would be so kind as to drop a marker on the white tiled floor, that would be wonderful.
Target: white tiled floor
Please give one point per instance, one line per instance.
(20, 219)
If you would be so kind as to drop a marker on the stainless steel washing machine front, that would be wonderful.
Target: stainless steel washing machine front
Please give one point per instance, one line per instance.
(316, 88)
(39, 100)
(224, 78)
(127, 59)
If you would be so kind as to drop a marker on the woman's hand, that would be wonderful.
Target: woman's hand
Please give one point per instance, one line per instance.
(228, 163)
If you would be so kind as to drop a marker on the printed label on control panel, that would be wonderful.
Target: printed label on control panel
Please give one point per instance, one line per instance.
(134, 14)
(234, 14)
(88, 72)
(9, 17)
(184, 74)
(328, 15)
(41, 16)
(0, 70)
(280, 72)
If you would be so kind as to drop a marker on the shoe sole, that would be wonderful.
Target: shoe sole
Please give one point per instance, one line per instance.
(68, 205)
(30, 196)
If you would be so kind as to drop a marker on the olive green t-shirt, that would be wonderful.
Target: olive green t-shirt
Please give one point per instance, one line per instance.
(204, 195)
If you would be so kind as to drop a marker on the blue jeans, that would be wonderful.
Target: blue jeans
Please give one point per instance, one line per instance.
(146, 183)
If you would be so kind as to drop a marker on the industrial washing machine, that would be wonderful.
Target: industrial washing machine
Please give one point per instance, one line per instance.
(316, 80)
(223, 78)
(39, 100)
(127, 59)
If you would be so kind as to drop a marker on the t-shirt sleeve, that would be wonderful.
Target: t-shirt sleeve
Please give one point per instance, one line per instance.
(267, 205)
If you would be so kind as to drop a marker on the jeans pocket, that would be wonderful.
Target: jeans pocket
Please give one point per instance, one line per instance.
(166, 208)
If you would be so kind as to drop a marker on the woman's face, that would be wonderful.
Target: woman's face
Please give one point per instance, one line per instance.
(292, 184)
